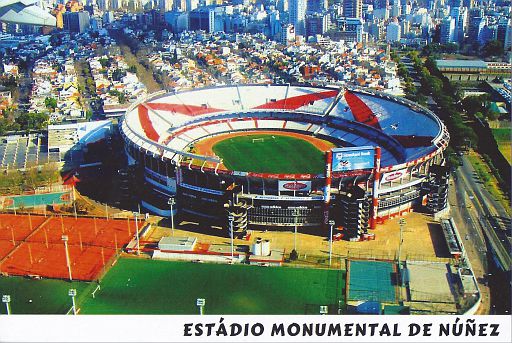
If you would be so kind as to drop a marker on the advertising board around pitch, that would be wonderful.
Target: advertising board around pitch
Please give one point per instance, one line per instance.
(353, 158)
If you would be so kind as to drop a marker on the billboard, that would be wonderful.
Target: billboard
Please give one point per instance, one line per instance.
(394, 175)
(353, 158)
(297, 186)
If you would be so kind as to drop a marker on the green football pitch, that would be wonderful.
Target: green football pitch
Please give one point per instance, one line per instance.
(30, 296)
(267, 153)
(136, 286)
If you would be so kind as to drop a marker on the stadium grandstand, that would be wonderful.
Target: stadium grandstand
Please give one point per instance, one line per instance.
(176, 138)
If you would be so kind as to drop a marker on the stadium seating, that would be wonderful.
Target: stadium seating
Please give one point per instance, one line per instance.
(242, 124)
(270, 124)
(358, 118)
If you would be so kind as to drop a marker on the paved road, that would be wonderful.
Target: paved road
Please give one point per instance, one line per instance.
(472, 236)
(484, 209)
(474, 211)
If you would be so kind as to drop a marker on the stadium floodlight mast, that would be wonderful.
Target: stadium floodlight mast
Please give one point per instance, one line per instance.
(172, 202)
(331, 223)
(68, 262)
(231, 218)
(72, 294)
(6, 299)
(136, 215)
(295, 215)
(200, 302)
(401, 222)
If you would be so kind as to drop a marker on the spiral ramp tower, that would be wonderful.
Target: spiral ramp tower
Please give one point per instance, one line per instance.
(239, 212)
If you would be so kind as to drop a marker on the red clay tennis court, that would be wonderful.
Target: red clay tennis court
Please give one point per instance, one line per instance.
(20, 226)
(92, 244)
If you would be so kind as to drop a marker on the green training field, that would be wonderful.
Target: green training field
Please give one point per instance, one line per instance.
(274, 154)
(136, 286)
(48, 296)
(503, 139)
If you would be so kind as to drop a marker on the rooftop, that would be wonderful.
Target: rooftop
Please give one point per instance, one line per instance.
(461, 64)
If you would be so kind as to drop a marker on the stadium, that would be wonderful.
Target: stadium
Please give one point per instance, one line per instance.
(282, 156)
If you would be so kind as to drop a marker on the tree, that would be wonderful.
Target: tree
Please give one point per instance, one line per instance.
(105, 62)
(492, 48)
(31, 121)
(118, 74)
(50, 103)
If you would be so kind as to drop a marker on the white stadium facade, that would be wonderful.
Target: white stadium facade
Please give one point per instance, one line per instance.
(407, 172)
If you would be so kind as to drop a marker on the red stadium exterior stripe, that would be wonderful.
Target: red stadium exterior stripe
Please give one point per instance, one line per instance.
(362, 113)
(146, 124)
(189, 110)
(296, 102)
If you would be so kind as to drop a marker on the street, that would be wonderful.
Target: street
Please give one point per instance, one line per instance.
(474, 210)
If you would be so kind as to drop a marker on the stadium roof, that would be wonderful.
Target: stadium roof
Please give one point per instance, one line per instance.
(171, 122)
(461, 64)
(25, 12)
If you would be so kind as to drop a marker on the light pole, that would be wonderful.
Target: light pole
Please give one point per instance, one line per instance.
(231, 218)
(172, 202)
(331, 223)
(6, 299)
(295, 214)
(135, 214)
(200, 302)
(72, 294)
(401, 222)
(65, 240)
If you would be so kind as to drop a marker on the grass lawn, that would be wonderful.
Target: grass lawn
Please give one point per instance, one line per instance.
(489, 180)
(136, 286)
(48, 296)
(275, 154)
(504, 141)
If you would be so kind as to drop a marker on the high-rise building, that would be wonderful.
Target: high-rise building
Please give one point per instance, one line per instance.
(317, 6)
(116, 4)
(103, 5)
(274, 24)
(393, 32)
(297, 11)
(316, 24)
(488, 32)
(376, 29)
(476, 22)
(447, 30)
(405, 26)
(406, 8)
(396, 9)
(468, 3)
(350, 29)
(379, 4)
(201, 19)
(460, 15)
(77, 22)
(177, 21)
(166, 5)
(190, 5)
(288, 34)
(353, 8)
(282, 6)
(504, 30)
(508, 37)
